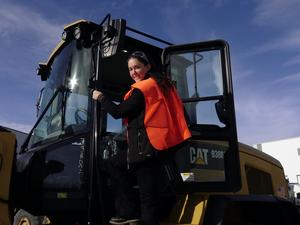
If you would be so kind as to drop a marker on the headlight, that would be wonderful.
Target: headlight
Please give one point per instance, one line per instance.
(77, 33)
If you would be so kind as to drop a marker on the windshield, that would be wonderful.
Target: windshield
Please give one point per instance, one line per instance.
(68, 110)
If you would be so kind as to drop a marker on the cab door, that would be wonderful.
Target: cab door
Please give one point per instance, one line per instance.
(7, 152)
(201, 73)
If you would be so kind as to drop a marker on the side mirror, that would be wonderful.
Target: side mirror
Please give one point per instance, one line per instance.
(221, 111)
(113, 33)
(43, 71)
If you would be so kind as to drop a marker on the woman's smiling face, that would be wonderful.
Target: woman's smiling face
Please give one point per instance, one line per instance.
(137, 69)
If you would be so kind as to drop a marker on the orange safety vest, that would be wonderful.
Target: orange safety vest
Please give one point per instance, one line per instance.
(164, 117)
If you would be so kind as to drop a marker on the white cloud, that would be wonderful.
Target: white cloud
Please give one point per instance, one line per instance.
(280, 17)
(270, 111)
(218, 3)
(277, 13)
(17, 20)
(263, 116)
(239, 71)
(178, 21)
(122, 4)
(289, 41)
(293, 61)
(265, 110)
(289, 78)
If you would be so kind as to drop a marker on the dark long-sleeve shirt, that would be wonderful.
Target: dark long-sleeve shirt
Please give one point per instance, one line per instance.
(128, 108)
(133, 109)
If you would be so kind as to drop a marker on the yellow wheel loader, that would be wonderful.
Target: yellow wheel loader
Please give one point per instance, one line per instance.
(60, 175)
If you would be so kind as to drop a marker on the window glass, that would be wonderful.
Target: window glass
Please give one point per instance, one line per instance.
(114, 140)
(57, 76)
(68, 112)
(197, 74)
(114, 125)
(77, 81)
(202, 112)
(114, 128)
(50, 125)
(198, 79)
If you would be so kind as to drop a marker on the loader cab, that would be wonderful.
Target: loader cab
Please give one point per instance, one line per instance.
(57, 170)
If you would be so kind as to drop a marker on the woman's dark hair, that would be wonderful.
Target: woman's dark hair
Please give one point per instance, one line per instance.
(163, 81)
(141, 56)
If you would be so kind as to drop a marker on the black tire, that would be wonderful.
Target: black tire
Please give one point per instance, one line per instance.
(23, 217)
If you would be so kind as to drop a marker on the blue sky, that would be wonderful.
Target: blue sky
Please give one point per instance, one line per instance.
(264, 38)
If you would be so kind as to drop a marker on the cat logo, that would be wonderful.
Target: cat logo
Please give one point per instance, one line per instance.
(198, 156)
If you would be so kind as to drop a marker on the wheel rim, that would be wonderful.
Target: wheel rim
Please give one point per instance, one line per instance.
(24, 221)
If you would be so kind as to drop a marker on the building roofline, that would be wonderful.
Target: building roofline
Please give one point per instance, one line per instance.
(283, 139)
(8, 128)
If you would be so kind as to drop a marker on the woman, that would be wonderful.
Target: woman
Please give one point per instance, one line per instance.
(155, 121)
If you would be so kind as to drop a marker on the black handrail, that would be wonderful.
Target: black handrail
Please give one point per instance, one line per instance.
(148, 36)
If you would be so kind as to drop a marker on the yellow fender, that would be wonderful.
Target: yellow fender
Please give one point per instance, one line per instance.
(7, 152)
